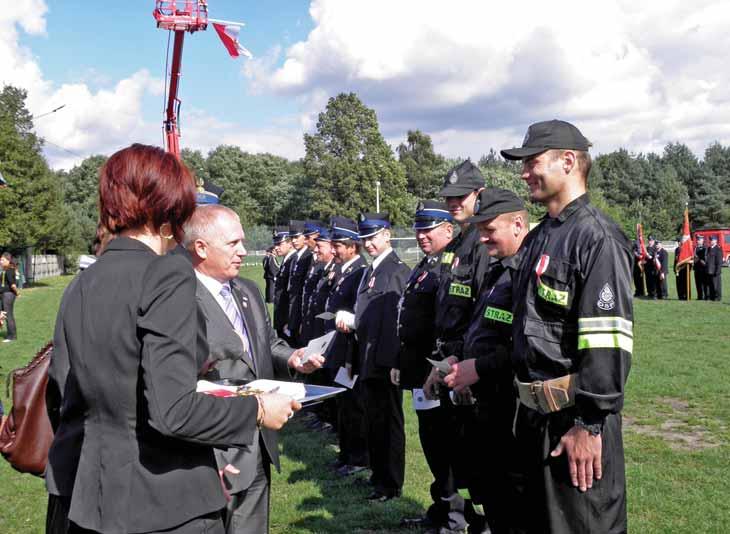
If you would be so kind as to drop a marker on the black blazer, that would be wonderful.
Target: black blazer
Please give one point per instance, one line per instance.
(281, 294)
(342, 349)
(133, 445)
(268, 360)
(297, 276)
(714, 261)
(376, 318)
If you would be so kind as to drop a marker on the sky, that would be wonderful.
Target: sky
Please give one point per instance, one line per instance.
(473, 74)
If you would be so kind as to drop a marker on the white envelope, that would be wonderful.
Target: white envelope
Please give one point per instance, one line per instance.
(344, 380)
(317, 345)
(420, 402)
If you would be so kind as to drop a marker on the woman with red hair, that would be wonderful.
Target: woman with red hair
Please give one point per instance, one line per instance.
(133, 441)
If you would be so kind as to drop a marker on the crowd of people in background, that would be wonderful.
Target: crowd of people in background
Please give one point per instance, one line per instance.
(651, 271)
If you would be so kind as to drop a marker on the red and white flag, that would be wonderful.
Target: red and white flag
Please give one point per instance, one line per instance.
(229, 35)
(686, 248)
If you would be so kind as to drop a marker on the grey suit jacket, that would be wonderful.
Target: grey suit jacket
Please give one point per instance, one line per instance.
(269, 360)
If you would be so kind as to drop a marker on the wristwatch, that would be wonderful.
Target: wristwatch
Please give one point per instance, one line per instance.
(594, 429)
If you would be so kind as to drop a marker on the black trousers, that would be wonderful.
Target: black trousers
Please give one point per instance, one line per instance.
(683, 283)
(351, 426)
(651, 281)
(386, 434)
(639, 289)
(554, 505)
(434, 431)
(701, 284)
(715, 287)
(8, 304)
(661, 287)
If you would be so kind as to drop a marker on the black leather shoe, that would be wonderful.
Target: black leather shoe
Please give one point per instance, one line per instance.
(347, 470)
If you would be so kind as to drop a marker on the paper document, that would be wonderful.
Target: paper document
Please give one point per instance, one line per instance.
(420, 402)
(325, 316)
(318, 345)
(343, 379)
(304, 393)
(443, 366)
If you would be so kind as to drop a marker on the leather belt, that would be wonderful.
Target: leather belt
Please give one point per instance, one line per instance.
(548, 396)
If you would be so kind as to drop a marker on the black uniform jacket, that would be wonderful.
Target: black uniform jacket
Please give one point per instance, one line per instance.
(663, 257)
(573, 307)
(297, 275)
(281, 293)
(316, 268)
(489, 337)
(376, 317)
(714, 261)
(464, 264)
(271, 268)
(325, 282)
(343, 348)
(133, 439)
(700, 259)
(416, 312)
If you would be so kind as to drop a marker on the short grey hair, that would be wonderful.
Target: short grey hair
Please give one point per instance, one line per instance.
(203, 223)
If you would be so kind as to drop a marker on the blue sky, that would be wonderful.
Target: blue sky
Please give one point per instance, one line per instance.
(472, 74)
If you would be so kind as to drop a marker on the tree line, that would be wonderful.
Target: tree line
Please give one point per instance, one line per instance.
(344, 158)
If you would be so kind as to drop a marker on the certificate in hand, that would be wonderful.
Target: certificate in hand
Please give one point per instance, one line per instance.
(304, 393)
(318, 345)
(443, 366)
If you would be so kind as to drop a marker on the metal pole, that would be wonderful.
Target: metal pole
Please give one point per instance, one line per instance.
(377, 196)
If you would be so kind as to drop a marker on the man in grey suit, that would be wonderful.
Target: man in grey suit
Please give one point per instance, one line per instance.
(243, 346)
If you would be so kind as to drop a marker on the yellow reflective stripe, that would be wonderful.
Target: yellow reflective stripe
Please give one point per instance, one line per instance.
(615, 340)
(497, 314)
(552, 295)
(459, 290)
(447, 257)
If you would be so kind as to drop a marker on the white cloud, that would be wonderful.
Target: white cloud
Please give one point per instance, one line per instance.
(91, 121)
(633, 73)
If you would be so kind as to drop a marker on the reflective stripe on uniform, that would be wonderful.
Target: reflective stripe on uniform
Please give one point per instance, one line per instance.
(606, 340)
(447, 257)
(606, 324)
(552, 295)
(459, 290)
(497, 314)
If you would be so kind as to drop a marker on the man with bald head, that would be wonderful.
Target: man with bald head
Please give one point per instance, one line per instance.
(243, 346)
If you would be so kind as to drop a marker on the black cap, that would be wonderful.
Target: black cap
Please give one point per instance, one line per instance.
(700, 236)
(492, 202)
(713, 237)
(342, 229)
(547, 135)
(430, 214)
(281, 233)
(462, 179)
(207, 193)
(296, 228)
(370, 224)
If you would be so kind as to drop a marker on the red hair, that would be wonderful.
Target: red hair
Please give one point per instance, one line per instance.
(142, 185)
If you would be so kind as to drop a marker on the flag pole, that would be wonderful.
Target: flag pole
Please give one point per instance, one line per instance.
(689, 286)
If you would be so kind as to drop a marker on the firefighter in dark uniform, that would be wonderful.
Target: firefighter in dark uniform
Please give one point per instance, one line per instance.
(311, 232)
(464, 264)
(324, 415)
(317, 287)
(638, 271)
(341, 353)
(502, 221)
(375, 323)
(433, 225)
(284, 249)
(650, 273)
(303, 259)
(714, 270)
(700, 266)
(661, 265)
(681, 276)
(572, 342)
(271, 268)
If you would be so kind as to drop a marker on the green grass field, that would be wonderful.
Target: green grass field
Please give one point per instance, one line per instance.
(677, 433)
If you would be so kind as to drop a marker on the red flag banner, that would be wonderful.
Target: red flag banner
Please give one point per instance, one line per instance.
(229, 36)
(642, 245)
(686, 250)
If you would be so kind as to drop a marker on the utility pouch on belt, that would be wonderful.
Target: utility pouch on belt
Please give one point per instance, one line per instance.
(548, 396)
